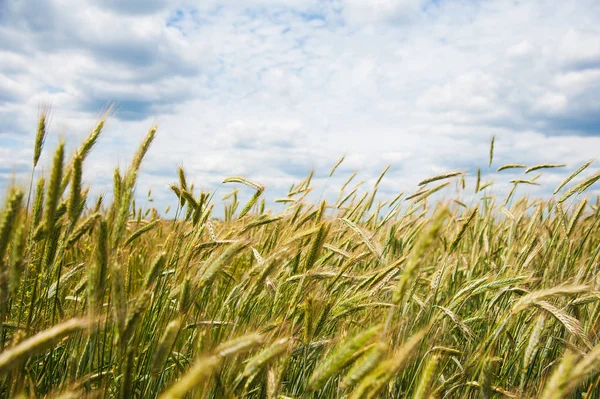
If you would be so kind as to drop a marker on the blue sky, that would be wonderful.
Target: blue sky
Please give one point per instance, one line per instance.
(270, 89)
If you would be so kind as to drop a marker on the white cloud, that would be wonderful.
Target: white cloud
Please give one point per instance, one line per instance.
(577, 82)
(520, 50)
(551, 104)
(273, 88)
(580, 49)
(382, 10)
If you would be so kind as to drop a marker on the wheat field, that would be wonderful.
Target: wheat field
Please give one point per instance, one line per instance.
(415, 297)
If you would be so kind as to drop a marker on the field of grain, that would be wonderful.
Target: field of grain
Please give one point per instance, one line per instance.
(355, 298)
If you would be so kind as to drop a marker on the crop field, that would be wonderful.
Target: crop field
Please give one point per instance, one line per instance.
(415, 297)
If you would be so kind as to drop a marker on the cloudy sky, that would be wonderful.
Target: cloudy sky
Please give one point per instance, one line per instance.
(270, 89)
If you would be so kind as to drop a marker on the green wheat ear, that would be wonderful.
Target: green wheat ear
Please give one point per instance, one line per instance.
(154, 270)
(492, 151)
(12, 357)
(53, 189)
(41, 133)
(8, 219)
(126, 187)
(96, 283)
(342, 356)
(427, 377)
(75, 198)
(165, 344)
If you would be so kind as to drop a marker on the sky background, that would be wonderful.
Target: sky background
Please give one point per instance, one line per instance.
(270, 89)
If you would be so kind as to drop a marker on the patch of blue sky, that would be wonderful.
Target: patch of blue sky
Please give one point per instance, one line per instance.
(174, 20)
(591, 63)
(127, 109)
(10, 141)
(428, 4)
(574, 125)
(15, 168)
(11, 128)
(312, 15)
(180, 18)
(282, 14)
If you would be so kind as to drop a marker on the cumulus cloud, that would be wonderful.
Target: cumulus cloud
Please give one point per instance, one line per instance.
(392, 11)
(271, 89)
